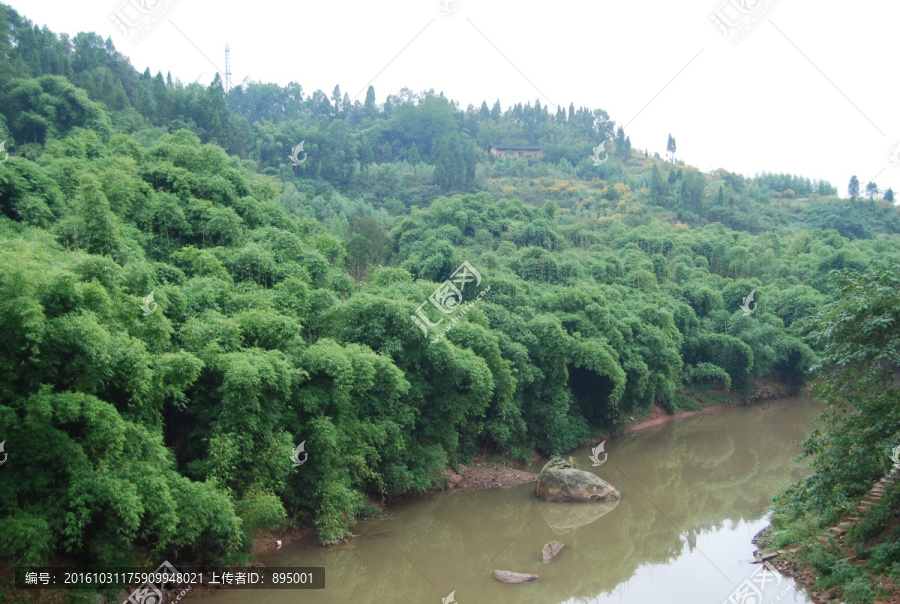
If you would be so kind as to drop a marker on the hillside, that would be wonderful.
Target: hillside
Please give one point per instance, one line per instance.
(181, 306)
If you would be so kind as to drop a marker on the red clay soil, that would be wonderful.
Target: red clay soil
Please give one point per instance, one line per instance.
(660, 416)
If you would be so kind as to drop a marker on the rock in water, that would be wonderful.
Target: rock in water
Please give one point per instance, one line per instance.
(507, 576)
(560, 482)
(550, 551)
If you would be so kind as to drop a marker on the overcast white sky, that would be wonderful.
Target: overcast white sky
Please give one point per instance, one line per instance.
(811, 89)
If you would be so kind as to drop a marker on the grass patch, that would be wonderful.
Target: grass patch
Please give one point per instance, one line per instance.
(802, 530)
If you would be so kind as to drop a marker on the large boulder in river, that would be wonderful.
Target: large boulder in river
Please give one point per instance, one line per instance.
(560, 481)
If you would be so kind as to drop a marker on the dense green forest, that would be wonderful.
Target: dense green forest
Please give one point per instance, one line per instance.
(283, 296)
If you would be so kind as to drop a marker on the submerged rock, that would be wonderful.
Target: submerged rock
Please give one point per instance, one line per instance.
(559, 481)
(551, 550)
(507, 576)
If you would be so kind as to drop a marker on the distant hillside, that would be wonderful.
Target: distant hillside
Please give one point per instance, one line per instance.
(407, 150)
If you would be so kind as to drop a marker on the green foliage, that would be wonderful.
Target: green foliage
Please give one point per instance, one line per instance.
(728, 352)
(706, 372)
(886, 555)
(859, 347)
(857, 339)
(283, 296)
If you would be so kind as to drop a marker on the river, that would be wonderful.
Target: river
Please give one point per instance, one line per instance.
(694, 493)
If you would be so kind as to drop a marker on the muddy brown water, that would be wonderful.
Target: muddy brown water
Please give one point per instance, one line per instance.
(694, 493)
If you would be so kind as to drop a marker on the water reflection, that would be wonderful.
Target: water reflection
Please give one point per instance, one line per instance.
(564, 518)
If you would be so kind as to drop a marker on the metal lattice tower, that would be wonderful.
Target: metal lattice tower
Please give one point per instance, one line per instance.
(227, 68)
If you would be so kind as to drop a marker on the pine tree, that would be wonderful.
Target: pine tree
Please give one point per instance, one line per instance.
(366, 155)
(336, 98)
(414, 157)
(369, 109)
(386, 152)
(657, 186)
(670, 148)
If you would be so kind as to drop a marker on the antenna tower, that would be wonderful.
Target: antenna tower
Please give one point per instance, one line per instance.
(227, 68)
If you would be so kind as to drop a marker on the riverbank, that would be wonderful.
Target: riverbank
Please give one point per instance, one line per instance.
(484, 474)
(843, 543)
(488, 472)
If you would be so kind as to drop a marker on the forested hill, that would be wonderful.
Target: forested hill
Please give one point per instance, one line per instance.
(181, 306)
(406, 150)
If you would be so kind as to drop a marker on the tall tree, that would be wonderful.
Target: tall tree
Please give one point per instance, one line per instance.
(369, 109)
(871, 190)
(454, 163)
(366, 155)
(386, 152)
(496, 111)
(414, 157)
(336, 98)
(658, 187)
(853, 187)
(620, 142)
